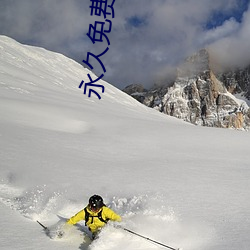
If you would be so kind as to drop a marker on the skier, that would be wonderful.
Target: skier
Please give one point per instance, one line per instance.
(95, 214)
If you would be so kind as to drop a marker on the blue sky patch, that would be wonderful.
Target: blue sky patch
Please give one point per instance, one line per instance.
(136, 21)
(219, 17)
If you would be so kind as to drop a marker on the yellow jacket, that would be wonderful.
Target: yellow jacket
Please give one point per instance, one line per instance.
(94, 223)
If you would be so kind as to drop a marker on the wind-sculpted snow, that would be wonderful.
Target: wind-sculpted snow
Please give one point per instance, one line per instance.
(43, 116)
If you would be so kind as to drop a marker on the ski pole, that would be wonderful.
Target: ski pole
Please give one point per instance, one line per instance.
(146, 238)
(45, 228)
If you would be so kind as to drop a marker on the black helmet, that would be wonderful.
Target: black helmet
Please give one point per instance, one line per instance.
(96, 202)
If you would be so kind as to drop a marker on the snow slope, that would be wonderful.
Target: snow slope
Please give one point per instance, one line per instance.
(176, 183)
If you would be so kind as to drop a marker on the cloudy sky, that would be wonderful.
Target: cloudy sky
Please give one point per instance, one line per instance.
(147, 38)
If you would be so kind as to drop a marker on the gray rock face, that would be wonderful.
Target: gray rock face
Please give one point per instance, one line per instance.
(237, 81)
(201, 97)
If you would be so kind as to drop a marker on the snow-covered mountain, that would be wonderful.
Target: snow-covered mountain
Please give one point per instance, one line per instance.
(201, 95)
(182, 185)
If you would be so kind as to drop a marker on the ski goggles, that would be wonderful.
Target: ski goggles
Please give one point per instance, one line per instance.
(94, 208)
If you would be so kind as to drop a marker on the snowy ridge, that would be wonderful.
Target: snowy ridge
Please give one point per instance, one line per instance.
(37, 69)
(179, 184)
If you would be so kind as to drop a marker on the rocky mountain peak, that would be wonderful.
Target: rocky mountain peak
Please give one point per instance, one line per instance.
(202, 97)
(196, 64)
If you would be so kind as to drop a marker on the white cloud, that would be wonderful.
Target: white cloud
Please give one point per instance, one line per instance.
(228, 28)
(233, 50)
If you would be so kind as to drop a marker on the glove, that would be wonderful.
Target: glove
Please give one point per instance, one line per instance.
(62, 229)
